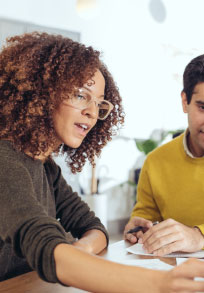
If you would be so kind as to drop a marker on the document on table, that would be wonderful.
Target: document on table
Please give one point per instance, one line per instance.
(180, 260)
(138, 249)
(153, 264)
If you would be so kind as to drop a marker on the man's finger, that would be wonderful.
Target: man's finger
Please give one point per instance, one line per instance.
(130, 237)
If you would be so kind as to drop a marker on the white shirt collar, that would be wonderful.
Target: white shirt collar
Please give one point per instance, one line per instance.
(185, 144)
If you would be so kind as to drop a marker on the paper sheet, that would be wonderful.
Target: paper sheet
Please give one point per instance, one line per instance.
(180, 260)
(154, 264)
(138, 249)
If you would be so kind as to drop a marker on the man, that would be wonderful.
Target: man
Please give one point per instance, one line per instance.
(171, 183)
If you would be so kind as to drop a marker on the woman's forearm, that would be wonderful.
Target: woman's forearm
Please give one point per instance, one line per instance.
(79, 269)
(93, 241)
(94, 274)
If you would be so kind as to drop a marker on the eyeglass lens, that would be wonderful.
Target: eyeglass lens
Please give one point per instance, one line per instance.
(82, 100)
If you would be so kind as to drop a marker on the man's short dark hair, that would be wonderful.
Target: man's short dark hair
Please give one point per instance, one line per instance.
(193, 74)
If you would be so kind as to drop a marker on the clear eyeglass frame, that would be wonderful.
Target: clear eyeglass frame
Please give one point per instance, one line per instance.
(105, 107)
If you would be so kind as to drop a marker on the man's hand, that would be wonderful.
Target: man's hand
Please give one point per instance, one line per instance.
(171, 236)
(136, 221)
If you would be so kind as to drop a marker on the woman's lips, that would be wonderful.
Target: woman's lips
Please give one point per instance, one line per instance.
(82, 128)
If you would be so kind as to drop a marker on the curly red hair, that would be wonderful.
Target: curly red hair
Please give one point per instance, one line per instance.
(35, 70)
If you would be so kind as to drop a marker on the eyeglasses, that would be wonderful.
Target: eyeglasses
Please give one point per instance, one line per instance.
(82, 100)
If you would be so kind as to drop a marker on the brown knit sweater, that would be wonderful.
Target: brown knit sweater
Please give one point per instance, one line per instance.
(36, 208)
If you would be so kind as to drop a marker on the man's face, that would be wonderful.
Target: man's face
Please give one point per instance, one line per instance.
(195, 111)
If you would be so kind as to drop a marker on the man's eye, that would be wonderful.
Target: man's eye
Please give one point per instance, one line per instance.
(201, 107)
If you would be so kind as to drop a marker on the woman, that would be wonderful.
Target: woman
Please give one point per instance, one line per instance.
(57, 96)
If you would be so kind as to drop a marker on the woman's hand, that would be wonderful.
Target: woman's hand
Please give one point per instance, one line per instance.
(181, 278)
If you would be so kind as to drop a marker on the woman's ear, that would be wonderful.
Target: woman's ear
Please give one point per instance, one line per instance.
(184, 102)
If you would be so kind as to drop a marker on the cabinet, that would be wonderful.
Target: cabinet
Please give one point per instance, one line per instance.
(9, 27)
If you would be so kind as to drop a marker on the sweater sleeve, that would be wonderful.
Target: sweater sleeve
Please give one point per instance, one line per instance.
(201, 228)
(74, 214)
(146, 206)
(25, 224)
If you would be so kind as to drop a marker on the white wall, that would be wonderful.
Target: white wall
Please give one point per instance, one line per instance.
(146, 58)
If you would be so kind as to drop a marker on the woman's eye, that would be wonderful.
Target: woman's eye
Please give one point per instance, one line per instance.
(80, 97)
(99, 105)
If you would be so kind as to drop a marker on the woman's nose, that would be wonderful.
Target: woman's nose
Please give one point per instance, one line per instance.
(91, 110)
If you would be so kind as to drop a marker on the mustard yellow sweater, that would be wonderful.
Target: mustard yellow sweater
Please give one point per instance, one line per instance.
(171, 185)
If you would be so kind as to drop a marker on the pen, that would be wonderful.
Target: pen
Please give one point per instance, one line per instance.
(140, 228)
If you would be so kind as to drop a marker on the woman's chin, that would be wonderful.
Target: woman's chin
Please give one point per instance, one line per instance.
(74, 143)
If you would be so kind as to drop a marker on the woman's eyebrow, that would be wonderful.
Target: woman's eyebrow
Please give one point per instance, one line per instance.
(89, 90)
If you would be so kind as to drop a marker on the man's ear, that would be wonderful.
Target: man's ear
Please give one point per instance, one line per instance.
(184, 101)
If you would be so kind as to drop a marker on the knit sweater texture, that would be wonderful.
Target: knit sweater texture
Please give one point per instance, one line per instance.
(171, 185)
(37, 207)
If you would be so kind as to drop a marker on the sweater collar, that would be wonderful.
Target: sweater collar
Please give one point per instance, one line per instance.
(185, 144)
